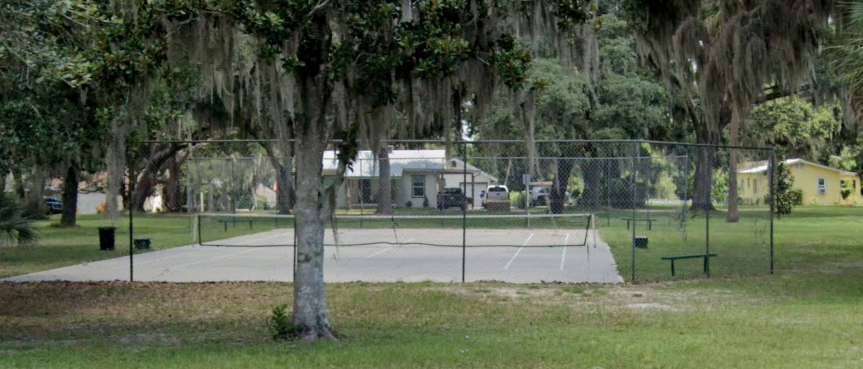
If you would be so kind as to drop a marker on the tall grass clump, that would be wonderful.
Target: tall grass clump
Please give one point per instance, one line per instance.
(14, 227)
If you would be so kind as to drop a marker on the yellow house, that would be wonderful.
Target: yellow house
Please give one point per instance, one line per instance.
(820, 184)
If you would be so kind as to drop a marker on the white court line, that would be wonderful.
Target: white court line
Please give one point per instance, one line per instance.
(379, 252)
(389, 248)
(563, 258)
(517, 252)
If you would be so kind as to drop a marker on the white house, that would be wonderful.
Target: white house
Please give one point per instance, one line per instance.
(473, 181)
(416, 177)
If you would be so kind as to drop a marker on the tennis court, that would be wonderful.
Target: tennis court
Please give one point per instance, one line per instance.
(382, 249)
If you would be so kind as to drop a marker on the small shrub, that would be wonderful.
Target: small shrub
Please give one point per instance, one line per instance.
(409, 204)
(425, 202)
(261, 202)
(517, 199)
(280, 324)
(14, 226)
(786, 198)
(796, 197)
(846, 190)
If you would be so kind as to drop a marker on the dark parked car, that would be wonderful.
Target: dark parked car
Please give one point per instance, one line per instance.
(452, 197)
(54, 205)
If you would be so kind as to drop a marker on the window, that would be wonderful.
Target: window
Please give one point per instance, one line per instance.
(755, 186)
(747, 182)
(822, 186)
(741, 185)
(418, 186)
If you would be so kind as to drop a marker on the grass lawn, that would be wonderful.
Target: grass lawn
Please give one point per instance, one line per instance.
(59, 247)
(808, 315)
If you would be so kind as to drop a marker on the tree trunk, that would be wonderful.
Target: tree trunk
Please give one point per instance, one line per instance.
(34, 202)
(310, 306)
(592, 171)
(3, 175)
(314, 201)
(385, 197)
(18, 184)
(313, 207)
(703, 186)
(733, 216)
(285, 196)
(143, 187)
(280, 158)
(157, 161)
(68, 219)
(173, 191)
(558, 191)
(115, 159)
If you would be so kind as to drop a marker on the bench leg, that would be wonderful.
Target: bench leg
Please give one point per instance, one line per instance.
(627, 224)
(672, 267)
(706, 260)
(226, 226)
(649, 225)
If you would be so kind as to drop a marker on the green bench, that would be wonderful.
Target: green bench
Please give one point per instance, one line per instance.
(706, 258)
(648, 220)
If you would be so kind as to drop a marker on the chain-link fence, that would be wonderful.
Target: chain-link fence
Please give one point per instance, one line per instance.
(569, 211)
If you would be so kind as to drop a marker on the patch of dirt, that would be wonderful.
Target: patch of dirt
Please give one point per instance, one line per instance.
(651, 306)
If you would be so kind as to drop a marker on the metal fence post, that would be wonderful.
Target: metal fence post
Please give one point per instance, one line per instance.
(633, 199)
(772, 168)
(707, 226)
(464, 214)
(131, 215)
(605, 162)
(685, 196)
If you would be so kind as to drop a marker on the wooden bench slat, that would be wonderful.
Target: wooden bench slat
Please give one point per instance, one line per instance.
(686, 256)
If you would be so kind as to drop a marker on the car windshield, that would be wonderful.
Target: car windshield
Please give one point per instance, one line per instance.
(496, 189)
(452, 191)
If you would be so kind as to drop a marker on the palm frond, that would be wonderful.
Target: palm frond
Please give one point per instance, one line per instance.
(14, 227)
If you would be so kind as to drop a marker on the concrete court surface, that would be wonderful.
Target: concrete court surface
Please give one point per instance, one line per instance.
(526, 258)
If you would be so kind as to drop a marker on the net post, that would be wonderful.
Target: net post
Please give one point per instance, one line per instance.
(593, 227)
(198, 229)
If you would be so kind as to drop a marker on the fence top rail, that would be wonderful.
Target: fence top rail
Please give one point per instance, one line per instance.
(459, 216)
(209, 158)
(477, 142)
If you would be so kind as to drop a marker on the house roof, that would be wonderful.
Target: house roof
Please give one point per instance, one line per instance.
(474, 169)
(366, 164)
(762, 167)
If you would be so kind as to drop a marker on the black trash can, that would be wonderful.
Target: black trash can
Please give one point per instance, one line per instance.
(640, 242)
(106, 238)
(142, 243)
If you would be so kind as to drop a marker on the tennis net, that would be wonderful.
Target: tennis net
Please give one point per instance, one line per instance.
(470, 230)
